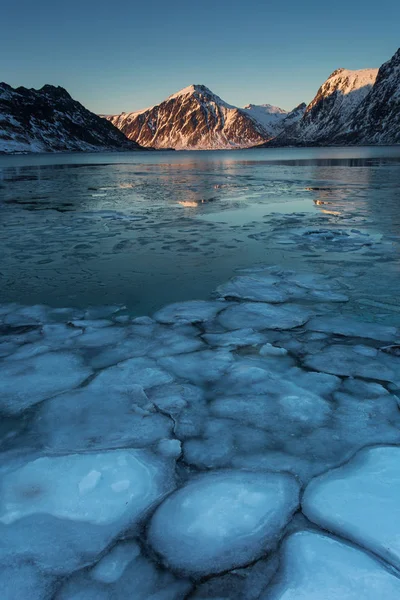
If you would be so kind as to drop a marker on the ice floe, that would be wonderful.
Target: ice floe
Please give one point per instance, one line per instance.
(263, 316)
(99, 418)
(360, 501)
(29, 381)
(355, 361)
(63, 511)
(318, 567)
(219, 521)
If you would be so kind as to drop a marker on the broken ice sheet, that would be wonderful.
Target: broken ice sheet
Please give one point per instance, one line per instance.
(63, 511)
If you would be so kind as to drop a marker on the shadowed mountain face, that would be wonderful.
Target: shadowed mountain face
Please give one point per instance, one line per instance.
(376, 120)
(333, 104)
(193, 118)
(49, 120)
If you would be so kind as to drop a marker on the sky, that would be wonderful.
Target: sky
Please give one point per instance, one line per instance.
(124, 56)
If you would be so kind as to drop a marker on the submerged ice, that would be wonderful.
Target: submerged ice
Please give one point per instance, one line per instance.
(178, 455)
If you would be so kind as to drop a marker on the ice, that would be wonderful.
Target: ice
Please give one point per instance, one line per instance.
(110, 568)
(170, 448)
(175, 397)
(234, 339)
(263, 316)
(353, 328)
(27, 315)
(198, 367)
(23, 580)
(63, 511)
(151, 340)
(139, 371)
(94, 418)
(94, 337)
(133, 347)
(29, 381)
(247, 583)
(318, 567)
(178, 340)
(256, 287)
(222, 520)
(215, 448)
(125, 573)
(353, 362)
(360, 501)
(270, 350)
(192, 311)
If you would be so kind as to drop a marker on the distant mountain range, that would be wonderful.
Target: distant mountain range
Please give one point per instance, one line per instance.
(351, 107)
(195, 118)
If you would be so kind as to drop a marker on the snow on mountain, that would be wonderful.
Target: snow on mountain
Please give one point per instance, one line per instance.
(49, 120)
(269, 116)
(332, 106)
(376, 120)
(194, 118)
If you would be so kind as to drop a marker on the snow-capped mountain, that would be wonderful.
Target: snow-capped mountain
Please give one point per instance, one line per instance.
(193, 118)
(269, 116)
(376, 120)
(49, 120)
(334, 103)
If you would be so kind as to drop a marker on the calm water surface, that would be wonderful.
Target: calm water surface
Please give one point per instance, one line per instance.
(148, 228)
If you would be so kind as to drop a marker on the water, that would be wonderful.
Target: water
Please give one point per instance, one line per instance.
(148, 228)
(183, 456)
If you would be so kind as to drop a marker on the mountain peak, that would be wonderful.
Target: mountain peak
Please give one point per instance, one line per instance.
(192, 89)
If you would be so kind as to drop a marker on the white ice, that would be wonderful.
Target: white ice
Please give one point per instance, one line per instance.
(63, 511)
(356, 361)
(100, 418)
(360, 501)
(122, 574)
(29, 381)
(263, 316)
(318, 567)
(222, 520)
(353, 328)
(192, 311)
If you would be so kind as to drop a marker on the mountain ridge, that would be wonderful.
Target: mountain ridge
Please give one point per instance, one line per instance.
(50, 120)
(197, 118)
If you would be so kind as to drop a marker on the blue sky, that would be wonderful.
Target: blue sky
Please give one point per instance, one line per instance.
(115, 56)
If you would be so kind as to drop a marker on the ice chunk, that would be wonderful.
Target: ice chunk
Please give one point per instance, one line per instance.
(222, 520)
(263, 316)
(63, 511)
(360, 501)
(234, 339)
(133, 347)
(122, 574)
(353, 328)
(270, 350)
(198, 367)
(345, 360)
(27, 382)
(171, 341)
(174, 397)
(256, 287)
(100, 337)
(192, 311)
(214, 449)
(94, 418)
(27, 315)
(110, 568)
(318, 567)
(140, 371)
